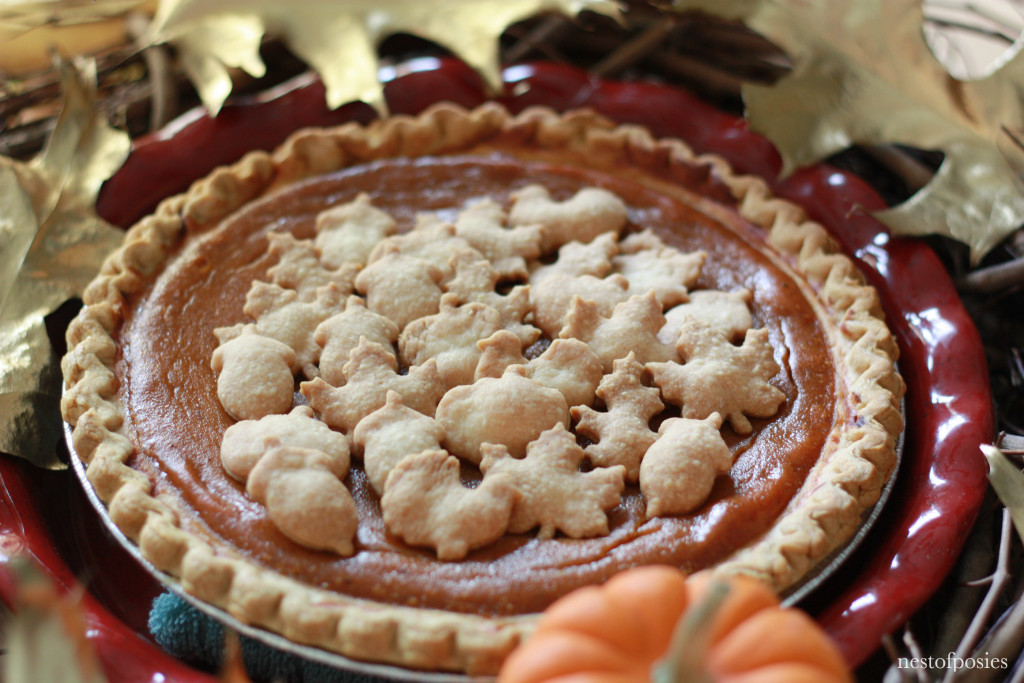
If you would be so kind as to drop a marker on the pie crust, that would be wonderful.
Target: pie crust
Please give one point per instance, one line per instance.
(857, 460)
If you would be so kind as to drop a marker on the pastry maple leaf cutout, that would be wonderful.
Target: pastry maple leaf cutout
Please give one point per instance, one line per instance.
(567, 365)
(305, 497)
(349, 232)
(667, 272)
(400, 287)
(299, 267)
(581, 258)
(476, 280)
(726, 311)
(582, 217)
(369, 374)
(389, 434)
(552, 297)
(340, 333)
(632, 326)
(254, 375)
(622, 434)
(281, 315)
(557, 496)
(426, 504)
(245, 442)
(432, 240)
(450, 337)
(511, 409)
(680, 469)
(719, 377)
(482, 224)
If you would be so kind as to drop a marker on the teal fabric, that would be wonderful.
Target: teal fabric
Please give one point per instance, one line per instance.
(198, 639)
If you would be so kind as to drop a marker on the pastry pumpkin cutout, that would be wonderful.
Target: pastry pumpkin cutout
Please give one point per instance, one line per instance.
(653, 624)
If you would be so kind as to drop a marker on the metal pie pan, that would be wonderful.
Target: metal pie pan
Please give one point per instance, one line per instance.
(809, 584)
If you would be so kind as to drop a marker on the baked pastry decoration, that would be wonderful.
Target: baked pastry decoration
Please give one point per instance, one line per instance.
(621, 434)
(470, 350)
(426, 503)
(556, 495)
(718, 377)
(679, 469)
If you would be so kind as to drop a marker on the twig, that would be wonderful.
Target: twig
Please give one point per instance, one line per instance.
(994, 278)
(1005, 639)
(915, 652)
(1010, 443)
(711, 79)
(998, 582)
(894, 674)
(636, 49)
(163, 89)
(912, 172)
(550, 30)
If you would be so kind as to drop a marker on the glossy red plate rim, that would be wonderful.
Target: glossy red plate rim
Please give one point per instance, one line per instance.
(907, 554)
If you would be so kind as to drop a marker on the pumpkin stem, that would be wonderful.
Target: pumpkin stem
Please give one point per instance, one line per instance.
(684, 660)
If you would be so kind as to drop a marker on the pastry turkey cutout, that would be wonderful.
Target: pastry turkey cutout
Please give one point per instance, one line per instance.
(340, 333)
(567, 365)
(476, 280)
(552, 297)
(719, 377)
(482, 224)
(557, 496)
(300, 267)
(426, 504)
(450, 337)
(587, 214)
(432, 240)
(281, 315)
(622, 433)
(633, 326)
(369, 374)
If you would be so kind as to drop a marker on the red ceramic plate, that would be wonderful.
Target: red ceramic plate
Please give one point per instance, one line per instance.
(908, 551)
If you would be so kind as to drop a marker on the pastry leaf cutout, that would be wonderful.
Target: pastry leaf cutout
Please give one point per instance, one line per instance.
(864, 74)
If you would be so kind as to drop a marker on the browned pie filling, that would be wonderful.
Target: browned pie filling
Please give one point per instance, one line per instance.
(170, 392)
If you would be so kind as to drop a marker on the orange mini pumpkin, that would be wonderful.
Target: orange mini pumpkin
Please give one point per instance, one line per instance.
(654, 624)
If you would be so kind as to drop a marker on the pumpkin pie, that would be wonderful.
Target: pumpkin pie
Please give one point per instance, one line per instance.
(392, 390)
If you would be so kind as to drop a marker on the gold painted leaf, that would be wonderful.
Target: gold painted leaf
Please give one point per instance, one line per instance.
(51, 245)
(338, 39)
(864, 74)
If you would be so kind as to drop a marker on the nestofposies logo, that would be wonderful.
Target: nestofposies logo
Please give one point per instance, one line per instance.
(951, 662)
